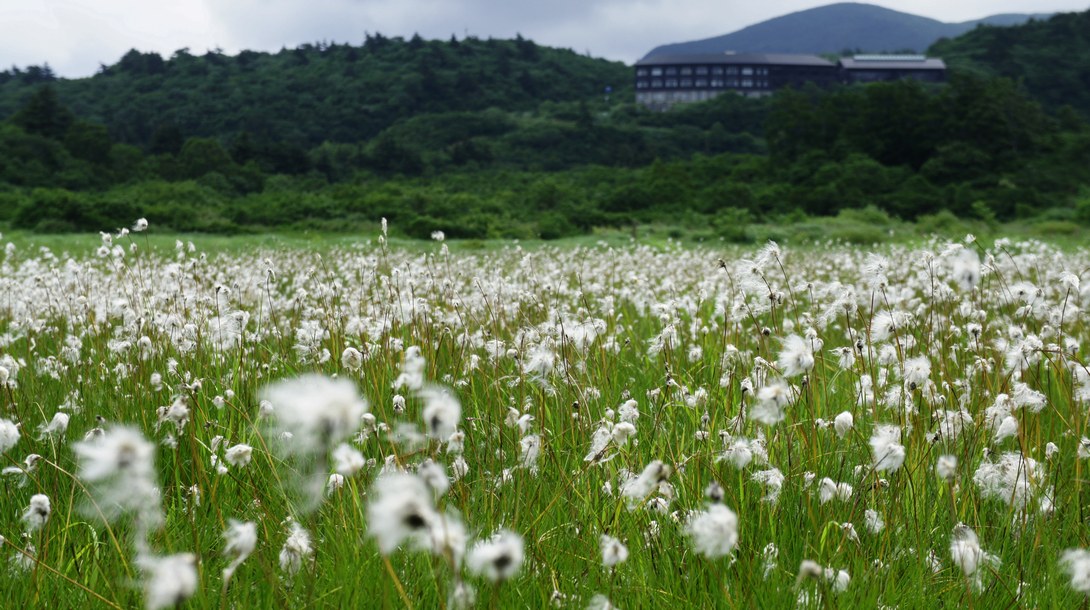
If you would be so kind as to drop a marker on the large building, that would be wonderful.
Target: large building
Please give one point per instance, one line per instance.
(874, 68)
(666, 80)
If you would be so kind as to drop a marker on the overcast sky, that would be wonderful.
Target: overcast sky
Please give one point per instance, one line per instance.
(75, 36)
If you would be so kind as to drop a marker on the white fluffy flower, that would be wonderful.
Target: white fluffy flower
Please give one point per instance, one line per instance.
(843, 423)
(829, 489)
(347, 460)
(318, 411)
(797, 357)
(118, 468)
(296, 550)
(239, 455)
(498, 558)
(9, 434)
(772, 400)
(889, 454)
(613, 551)
(640, 487)
(168, 580)
(240, 541)
(946, 467)
(1077, 564)
(966, 553)
(37, 513)
(55, 428)
(714, 531)
(400, 508)
(442, 412)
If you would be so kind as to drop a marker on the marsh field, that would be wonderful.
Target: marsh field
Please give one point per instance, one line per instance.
(600, 425)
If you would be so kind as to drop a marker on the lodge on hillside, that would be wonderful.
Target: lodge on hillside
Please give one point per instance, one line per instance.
(666, 80)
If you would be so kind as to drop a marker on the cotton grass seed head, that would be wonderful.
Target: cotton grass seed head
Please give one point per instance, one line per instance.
(400, 509)
(714, 531)
(168, 580)
(499, 558)
(318, 411)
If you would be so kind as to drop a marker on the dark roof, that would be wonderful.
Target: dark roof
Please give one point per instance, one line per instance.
(779, 59)
(892, 62)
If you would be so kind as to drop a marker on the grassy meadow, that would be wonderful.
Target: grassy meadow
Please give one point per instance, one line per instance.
(604, 423)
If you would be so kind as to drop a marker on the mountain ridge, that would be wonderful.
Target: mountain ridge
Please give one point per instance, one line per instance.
(839, 27)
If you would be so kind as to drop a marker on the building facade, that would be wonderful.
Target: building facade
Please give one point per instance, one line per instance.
(877, 68)
(663, 81)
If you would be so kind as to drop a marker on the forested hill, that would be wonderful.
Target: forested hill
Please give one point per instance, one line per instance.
(316, 92)
(1051, 57)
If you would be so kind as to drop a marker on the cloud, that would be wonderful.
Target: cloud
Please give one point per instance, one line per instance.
(74, 36)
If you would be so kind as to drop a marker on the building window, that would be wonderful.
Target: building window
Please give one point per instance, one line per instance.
(686, 83)
(656, 71)
(747, 82)
(747, 71)
(641, 71)
(761, 72)
(671, 71)
(717, 82)
(717, 70)
(702, 70)
(732, 70)
(701, 83)
(732, 82)
(657, 83)
(686, 71)
(671, 83)
(641, 84)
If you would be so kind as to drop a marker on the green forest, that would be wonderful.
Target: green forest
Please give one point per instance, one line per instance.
(507, 138)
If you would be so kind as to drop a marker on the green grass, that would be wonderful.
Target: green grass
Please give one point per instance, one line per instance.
(523, 296)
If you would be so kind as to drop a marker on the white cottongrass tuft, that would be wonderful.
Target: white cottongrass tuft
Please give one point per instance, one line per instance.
(239, 455)
(613, 551)
(946, 467)
(118, 468)
(55, 428)
(966, 553)
(639, 488)
(1013, 479)
(442, 412)
(829, 489)
(889, 454)
(772, 400)
(714, 531)
(1077, 563)
(296, 550)
(347, 460)
(797, 357)
(36, 515)
(319, 412)
(9, 434)
(241, 540)
(843, 423)
(401, 508)
(498, 558)
(168, 580)
(311, 415)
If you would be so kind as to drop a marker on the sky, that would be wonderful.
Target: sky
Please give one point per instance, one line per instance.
(75, 36)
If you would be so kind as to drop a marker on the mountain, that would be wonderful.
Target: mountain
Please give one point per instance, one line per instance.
(1050, 58)
(836, 28)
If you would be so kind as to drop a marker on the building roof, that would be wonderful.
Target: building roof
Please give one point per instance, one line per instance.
(892, 62)
(778, 59)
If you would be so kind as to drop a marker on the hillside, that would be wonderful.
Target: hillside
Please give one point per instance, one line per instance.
(1051, 58)
(836, 28)
(315, 93)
